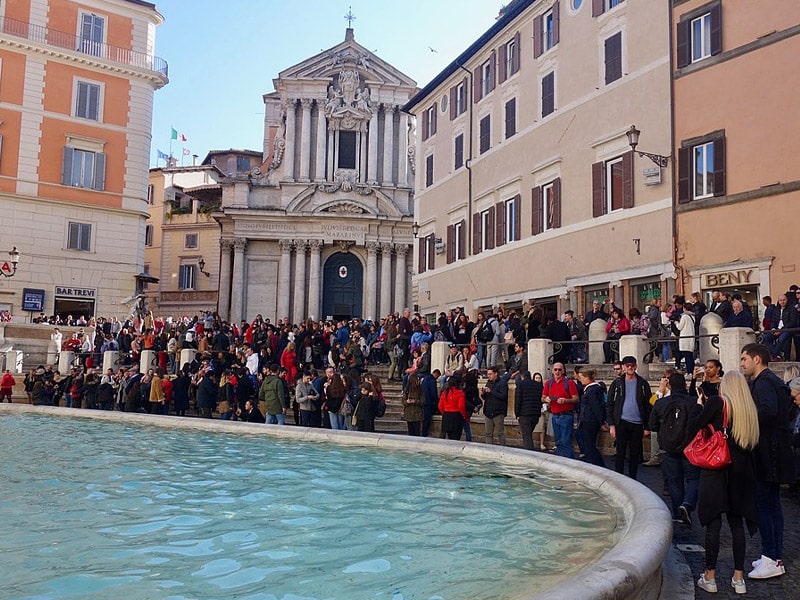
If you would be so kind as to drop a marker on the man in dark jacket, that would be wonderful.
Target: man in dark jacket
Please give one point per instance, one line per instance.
(430, 394)
(628, 415)
(778, 339)
(527, 406)
(495, 405)
(774, 460)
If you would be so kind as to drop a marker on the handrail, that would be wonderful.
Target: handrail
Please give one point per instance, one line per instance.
(69, 41)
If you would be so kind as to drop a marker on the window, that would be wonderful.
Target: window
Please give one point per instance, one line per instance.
(187, 276)
(546, 31)
(487, 230)
(79, 237)
(701, 168)
(547, 207)
(458, 99)
(459, 152)
(485, 132)
(613, 58)
(148, 235)
(242, 164)
(508, 221)
(699, 35)
(509, 58)
(91, 37)
(427, 253)
(509, 62)
(347, 149)
(429, 170)
(151, 192)
(190, 241)
(87, 102)
(548, 94)
(576, 4)
(82, 168)
(483, 78)
(612, 184)
(511, 117)
(456, 242)
(428, 122)
(486, 72)
(601, 6)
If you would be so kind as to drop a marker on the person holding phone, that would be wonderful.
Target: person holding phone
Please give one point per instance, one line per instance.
(710, 377)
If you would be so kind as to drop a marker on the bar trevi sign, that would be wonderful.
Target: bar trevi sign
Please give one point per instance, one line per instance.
(727, 278)
(73, 292)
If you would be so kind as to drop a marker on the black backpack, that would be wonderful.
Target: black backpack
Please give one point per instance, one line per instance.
(674, 429)
(486, 332)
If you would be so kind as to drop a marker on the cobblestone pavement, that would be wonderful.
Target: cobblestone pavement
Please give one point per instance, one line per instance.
(691, 544)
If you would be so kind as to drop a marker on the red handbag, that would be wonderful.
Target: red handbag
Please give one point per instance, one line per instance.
(709, 448)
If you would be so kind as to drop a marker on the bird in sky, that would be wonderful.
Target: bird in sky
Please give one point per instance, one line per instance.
(433, 50)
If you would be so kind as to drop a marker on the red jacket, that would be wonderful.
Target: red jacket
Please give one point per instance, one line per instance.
(453, 400)
(7, 382)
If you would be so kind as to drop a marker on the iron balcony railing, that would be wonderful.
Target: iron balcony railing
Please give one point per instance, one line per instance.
(69, 41)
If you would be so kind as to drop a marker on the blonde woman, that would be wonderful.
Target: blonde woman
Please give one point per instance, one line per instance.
(731, 490)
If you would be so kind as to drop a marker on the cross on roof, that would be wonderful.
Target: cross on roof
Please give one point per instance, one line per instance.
(350, 17)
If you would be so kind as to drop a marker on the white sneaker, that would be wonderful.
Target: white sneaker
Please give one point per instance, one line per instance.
(708, 586)
(767, 568)
(739, 586)
(757, 561)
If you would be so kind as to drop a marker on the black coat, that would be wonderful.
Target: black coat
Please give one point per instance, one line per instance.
(774, 460)
(528, 398)
(495, 401)
(616, 399)
(206, 393)
(593, 405)
(180, 392)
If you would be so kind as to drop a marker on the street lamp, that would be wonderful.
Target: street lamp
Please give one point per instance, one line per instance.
(633, 140)
(415, 229)
(9, 271)
(202, 264)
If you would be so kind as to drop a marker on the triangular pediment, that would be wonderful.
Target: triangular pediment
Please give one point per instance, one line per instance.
(348, 54)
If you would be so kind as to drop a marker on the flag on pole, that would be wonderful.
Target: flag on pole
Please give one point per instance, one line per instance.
(160, 155)
(182, 137)
(186, 152)
(174, 135)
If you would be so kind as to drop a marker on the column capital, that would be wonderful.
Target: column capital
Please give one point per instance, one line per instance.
(306, 102)
(390, 107)
(372, 247)
(315, 245)
(387, 248)
(401, 249)
(226, 244)
(239, 244)
(300, 245)
(289, 103)
(286, 246)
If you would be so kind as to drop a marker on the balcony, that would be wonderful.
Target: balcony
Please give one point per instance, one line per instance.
(74, 43)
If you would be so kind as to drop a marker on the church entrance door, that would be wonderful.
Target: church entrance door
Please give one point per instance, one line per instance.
(342, 286)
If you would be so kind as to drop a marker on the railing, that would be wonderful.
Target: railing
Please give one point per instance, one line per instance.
(69, 41)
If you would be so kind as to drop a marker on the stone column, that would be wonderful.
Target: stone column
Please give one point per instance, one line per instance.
(388, 143)
(319, 167)
(315, 279)
(597, 334)
(634, 345)
(372, 281)
(401, 276)
(731, 342)
(299, 312)
(288, 156)
(237, 286)
(402, 152)
(372, 159)
(305, 140)
(386, 279)
(224, 305)
(331, 157)
(540, 351)
(439, 353)
(284, 279)
(361, 154)
(710, 325)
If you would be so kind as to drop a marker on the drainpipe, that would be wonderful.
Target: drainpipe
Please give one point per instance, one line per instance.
(468, 161)
(679, 285)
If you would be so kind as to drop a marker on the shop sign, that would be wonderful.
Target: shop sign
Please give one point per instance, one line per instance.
(71, 292)
(32, 300)
(727, 278)
(648, 294)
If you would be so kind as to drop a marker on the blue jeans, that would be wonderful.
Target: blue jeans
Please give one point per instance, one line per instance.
(687, 357)
(276, 419)
(778, 345)
(587, 442)
(683, 481)
(337, 421)
(562, 430)
(770, 518)
(467, 431)
(480, 354)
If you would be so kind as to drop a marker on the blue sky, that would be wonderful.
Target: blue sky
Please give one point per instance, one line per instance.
(223, 56)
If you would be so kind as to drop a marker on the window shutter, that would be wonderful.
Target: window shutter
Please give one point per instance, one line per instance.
(684, 174)
(86, 237)
(425, 125)
(72, 236)
(477, 82)
(99, 171)
(431, 250)
(421, 257)
(683, 43)
(462, 240)
(598, 7)
(556, 22)
(503, 59)
(492, 71)
(453, 106)
(599, 204)
(476, 233)
(556, 208)
(66, 166)
(613, 46)
(517, 217)
(511, 117)
(627, 180)
(537, 36)
(719, 167)
(93, 111)
(716, 29)
(490, 226)
(433, 120)
(451, 244)
(464, 100)
(500, 223)
(536, 210)
(517, 50)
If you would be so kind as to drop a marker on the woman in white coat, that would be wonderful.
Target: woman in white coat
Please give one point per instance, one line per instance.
(686, 335)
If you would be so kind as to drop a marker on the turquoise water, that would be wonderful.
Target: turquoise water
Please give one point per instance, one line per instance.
(93, 509)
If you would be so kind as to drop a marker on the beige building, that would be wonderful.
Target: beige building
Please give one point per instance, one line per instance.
(76, 103)
(324, 226)
(737, 139)
(527, 187)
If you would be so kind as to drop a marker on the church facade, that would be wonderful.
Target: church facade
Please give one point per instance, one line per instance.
(323, 227)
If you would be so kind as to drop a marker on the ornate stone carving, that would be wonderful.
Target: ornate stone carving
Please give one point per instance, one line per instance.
(315, 245)
(401, 250)
(239, 245)
(305, 103)
(349, 56)
(226, 244)
(386, 248)
(412, 159)
(372, 247)
(345, 180)
(347, 99)
(285, 245)
(346, 208)
(300, 246)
